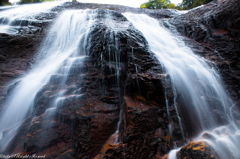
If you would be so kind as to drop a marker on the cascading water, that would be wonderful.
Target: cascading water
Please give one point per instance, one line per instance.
(21, 16)
(196, 83)
(114, 59)
(116, 56)
(64, 47)
(193, 79)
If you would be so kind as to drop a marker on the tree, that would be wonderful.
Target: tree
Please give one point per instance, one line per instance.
(171, 6)
(143, 6)
(186, 4)
(159, 4)
(156, 4)
(4, 2)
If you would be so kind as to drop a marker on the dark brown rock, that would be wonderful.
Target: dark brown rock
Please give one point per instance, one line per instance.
(15, 53)
(146, 130)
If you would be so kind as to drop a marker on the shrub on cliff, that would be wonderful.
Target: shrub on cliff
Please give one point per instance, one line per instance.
(4, 2)
(186, 4)
(156, 4)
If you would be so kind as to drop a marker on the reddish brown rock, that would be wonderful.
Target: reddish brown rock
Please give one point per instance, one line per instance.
(112, 151)
(197, 150)
(16, 51)
(66, 155)
(145, 130)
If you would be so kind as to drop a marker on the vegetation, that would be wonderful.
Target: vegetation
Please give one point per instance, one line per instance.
(186, 4)
(4, 2)
(157, 4)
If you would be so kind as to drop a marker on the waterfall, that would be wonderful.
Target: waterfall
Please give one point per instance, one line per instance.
(64, 46)
(114, 48)
(196, 83)
(200, 100)
(22, 16)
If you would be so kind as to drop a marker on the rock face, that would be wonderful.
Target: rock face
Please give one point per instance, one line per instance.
(16, 54)
(214, 33)
(121, 86)
(211, 31)
(118, 82)
(17, 51)
(199, 149)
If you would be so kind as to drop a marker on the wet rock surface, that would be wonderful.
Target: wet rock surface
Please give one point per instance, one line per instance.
(17, 50)
(197, 149)
(86, 119)
(120, 79)
(160, 13)
(16, 54)
(212, 31)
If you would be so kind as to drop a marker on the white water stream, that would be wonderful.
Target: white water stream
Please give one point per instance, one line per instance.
(194, 81)
(65, 43)
(19, 16)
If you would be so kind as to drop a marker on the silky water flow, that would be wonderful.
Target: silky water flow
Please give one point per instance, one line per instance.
(65, 45)
(197, 83)
(22, 16)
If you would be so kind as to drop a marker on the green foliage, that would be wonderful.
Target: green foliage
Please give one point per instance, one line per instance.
(171, 6)
(156, 4)
(186, 4)
(159, 4)
(143, 5)
(189, 4)
(4, 2)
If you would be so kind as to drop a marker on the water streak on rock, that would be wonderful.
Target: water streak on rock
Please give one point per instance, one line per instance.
(195, 83)
(22, 16)
(62, 47)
